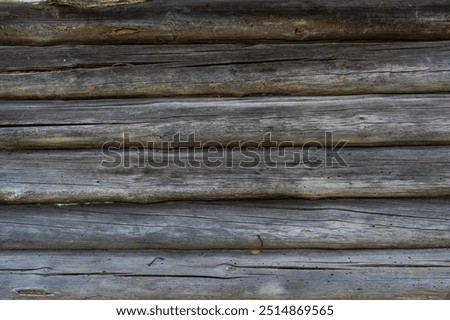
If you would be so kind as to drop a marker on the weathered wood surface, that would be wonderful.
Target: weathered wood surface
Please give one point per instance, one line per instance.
(360, 120)
(293, 274)
(77, 72)
(65, 176)
(273, 224)
(187, 21)
(85, 4)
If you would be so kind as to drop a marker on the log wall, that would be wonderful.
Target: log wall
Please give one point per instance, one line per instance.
(92, 93)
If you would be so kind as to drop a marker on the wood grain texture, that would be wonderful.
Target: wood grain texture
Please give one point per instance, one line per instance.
(77, 72)
(270, 224)
(194, 21)
(60, 176)
(293, 274)
(361, 120)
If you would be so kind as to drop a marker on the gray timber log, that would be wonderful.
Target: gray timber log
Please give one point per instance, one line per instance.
(194, 21)
(293, 274)
(273, 224)
(77, 72)
(360, 120)
(150, 176)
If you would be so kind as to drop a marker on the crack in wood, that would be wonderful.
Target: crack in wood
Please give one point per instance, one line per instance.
(33, 292)
(154, 260)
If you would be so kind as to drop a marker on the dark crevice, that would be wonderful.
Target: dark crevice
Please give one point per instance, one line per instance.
(136, 275)
(80, 67)
(68, 124)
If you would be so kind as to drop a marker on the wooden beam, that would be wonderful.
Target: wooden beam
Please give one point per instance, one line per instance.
(270, 224)
(293, 274)
(195, 21)
(361, 120)
(77, 72)
(144, 176)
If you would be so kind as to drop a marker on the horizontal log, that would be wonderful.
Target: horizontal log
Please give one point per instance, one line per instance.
(194, 21)
(111, 175)
(77, 72)
(360, 120)
(275, 224)
(293, 274)
(83, 4)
